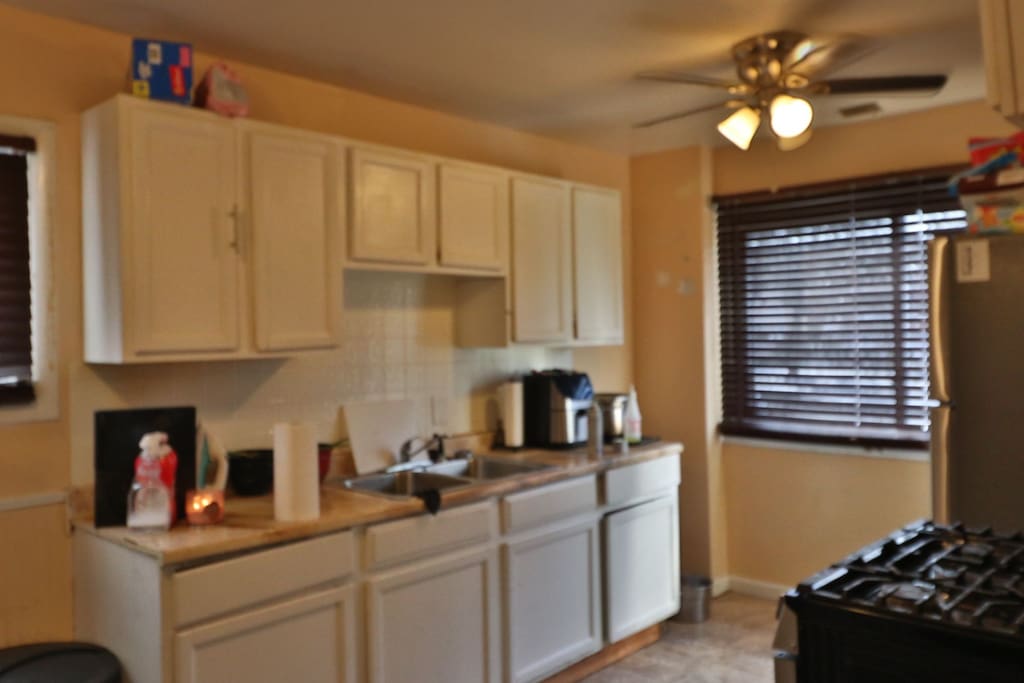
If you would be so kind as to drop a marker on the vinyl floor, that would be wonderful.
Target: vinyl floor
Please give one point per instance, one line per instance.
(733, 646)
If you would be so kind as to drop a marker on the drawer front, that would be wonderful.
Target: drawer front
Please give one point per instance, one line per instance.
(549, 503)
(222, 587)
(627, 484)
(409, 539)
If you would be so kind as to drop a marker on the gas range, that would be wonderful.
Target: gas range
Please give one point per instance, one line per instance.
(928, 603)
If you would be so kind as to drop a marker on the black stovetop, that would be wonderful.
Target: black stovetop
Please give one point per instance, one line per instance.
(956, 576)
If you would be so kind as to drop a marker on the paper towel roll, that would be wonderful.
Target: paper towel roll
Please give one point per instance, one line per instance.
(296, 479)
(512, 412)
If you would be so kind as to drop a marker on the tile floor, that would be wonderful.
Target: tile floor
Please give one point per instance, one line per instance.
(734, 646)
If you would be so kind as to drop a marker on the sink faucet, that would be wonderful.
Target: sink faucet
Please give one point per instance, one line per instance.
(434, 447)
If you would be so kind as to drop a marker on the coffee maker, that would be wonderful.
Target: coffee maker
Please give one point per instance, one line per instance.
(555, 405)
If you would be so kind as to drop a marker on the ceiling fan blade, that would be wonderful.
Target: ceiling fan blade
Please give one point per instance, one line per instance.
(728, 104)
(911, 85)
(690, 79)
(814, 58)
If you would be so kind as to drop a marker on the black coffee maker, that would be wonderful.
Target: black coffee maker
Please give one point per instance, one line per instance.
(555, 405)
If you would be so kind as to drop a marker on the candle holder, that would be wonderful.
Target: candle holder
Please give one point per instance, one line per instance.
(204, 506)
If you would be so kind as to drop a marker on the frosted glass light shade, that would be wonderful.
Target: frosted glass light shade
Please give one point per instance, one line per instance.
(740, 127)
(790, 116)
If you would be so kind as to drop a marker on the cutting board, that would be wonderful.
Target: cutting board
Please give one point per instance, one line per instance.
(377, 430)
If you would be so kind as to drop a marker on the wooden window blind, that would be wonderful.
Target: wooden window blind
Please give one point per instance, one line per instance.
(824, 317)
(15, 275)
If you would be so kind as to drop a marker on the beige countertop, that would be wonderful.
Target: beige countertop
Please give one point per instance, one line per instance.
(249, 522)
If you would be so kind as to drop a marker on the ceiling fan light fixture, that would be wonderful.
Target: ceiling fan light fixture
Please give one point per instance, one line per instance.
(740, 126)
(790, 116)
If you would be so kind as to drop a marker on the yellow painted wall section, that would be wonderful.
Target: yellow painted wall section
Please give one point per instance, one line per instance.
(791, 513)
(669, 221)
(53, 70)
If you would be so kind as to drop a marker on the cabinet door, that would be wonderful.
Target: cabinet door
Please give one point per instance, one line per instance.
(597, 251)
(309, 638)
(541, 261)
(474, 215)
(181, 240)
(296, 261)
(393, 208)
(553, 600)
(641, 566)
(435, 621)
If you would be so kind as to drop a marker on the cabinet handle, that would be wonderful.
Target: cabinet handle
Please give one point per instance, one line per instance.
(233, 214)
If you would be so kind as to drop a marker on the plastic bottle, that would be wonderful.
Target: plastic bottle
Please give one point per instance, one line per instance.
(150, 500)
(633, 427)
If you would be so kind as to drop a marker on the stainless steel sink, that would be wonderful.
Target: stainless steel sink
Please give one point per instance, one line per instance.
(479, 467)
(404, 484)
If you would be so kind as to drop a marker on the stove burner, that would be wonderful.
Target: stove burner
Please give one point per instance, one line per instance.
(968, 577)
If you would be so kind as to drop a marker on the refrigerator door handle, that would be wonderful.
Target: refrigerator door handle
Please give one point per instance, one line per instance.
(938, 318)
(940, 463)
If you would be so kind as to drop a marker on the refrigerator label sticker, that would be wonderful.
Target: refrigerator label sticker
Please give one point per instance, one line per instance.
(972, 261)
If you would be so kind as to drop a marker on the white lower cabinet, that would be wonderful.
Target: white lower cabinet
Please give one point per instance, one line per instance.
(641, 565)
(553, 598)
(436, 620)
(309, 638)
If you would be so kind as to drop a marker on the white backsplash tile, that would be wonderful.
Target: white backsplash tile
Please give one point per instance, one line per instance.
(397, 342)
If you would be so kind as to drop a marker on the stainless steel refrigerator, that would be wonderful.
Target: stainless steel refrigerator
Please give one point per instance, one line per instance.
(976, 313)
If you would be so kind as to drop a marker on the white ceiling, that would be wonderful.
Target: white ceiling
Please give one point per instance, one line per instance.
(556, 67)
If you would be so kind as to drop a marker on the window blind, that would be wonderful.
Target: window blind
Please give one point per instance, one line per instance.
(824, 317)
(15, 275)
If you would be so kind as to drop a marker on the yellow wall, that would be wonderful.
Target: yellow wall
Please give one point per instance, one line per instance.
(53, 70)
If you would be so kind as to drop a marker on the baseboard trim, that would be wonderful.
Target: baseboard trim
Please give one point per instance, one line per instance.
(755, 588)
(720, 586)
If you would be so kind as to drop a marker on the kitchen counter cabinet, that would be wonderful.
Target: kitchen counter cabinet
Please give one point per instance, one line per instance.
(308, 638)
(285, 613)
(399, 595)
(641, 546)
(552, 597)
(435, 620)
(432, 602)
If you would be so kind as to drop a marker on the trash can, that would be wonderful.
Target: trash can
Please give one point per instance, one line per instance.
(59, 663)
(694, 599)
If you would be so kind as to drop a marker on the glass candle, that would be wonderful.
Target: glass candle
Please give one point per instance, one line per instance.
(204, 506)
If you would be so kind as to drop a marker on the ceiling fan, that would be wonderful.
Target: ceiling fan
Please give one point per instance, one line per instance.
(779, 73)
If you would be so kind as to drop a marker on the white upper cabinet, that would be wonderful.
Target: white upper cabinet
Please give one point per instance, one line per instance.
(183, 269)
(206, 238)
(1002, 32)
(160, 233)
(393, 208)
(541, 261)
(597, 259)
(293, 210)
(474, 216)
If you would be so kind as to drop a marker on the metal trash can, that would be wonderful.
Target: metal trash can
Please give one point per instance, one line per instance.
(59, 663)
(694, 599)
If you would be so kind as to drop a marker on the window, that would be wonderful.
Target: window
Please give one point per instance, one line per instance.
(16, 384)
(28, 349)
(824, 316)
